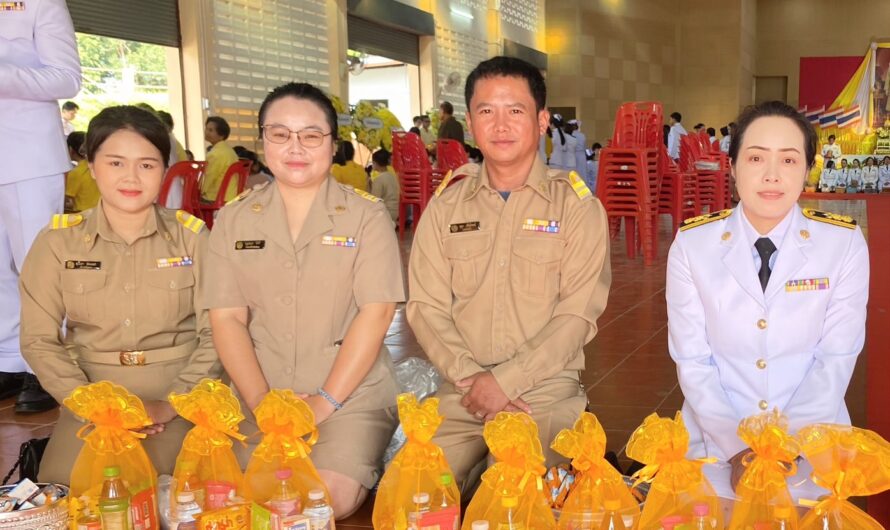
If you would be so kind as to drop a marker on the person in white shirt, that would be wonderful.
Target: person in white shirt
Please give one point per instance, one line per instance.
(831, 149)
(828, 178)
(580, 146)
(563, 155)
(724, 142)
(592, 165)
(677, 131)
(854, 176)
(712, 135)
(870, 176)
(884, 174)
(69, 112)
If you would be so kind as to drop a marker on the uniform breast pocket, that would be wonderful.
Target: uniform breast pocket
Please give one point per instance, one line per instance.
(83, 293)
(468, 257)
(536, 265)
(172, 292)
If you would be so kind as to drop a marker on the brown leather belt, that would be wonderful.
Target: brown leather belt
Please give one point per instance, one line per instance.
(135, 357)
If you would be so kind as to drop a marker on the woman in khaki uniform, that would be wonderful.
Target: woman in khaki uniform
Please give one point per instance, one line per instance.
(122, 278)
(306, 276)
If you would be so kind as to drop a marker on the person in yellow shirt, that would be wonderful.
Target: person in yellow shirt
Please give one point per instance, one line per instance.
(346, 171)
(219, 158)
(81, 192)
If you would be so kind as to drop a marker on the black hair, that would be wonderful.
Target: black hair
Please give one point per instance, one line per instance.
(75, 141)
(447, 107)
(677, 116)
(142, 122)
(221, 126)
(381, 157)
(416, 119)
(832, 137)
(665, 132)
(70, 105)
(724, 130)
(345, 153)
(829, 164)
(305, 91)
(501, 66)
(778, 109)
(166, 118)
(697, 125)
(711, 131)
(596, 145)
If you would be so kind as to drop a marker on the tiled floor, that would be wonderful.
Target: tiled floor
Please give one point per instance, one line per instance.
(629, 373)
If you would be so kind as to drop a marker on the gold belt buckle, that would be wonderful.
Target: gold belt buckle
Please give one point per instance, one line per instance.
(132, 358)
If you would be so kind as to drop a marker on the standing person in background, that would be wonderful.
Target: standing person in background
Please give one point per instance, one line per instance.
(384, 184)
(69, 112)
(831, 150)
(449, 127)
(427, 135)
(219, 157)
(563, 154)
(416, 127)
(725, 140)
(699, 127)
(712, 135)
(177, 151)
(38, 66)
(580, 147)
(81, 192)
(674, 135)
(345, 170)
(592, 166)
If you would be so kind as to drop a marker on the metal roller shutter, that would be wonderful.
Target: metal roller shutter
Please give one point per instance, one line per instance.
(152, 21)
(377, 39)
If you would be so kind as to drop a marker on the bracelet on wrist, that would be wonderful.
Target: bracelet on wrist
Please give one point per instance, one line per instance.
(330, 399)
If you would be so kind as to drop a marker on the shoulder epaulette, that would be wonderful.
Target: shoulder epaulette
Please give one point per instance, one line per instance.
(579, 186)
(444, 183)
(66, 220)
(189, 221)
(831, 218)
(240, 196)
(365, 195)
(704, 219)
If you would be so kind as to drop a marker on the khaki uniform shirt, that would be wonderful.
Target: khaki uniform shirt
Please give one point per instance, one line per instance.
(513, 286)
(303, 295)
(115, 297)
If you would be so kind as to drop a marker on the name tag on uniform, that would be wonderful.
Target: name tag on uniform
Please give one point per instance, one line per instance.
(88, 265)
(812, 284)
(176, 261)
(541, 225)
(457, 228)
(253, 244)
(12, 6)
(338, 241)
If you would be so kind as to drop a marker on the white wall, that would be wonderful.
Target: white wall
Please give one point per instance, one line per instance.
(389, 83)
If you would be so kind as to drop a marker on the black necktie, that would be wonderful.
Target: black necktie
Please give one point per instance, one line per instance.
(765, 248)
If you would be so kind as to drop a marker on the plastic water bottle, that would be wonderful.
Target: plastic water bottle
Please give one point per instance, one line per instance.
(421, 507)
(612, 519)
(782, 514)
(286, 500)
(479, 525)
(510, 522)
(701, 517)
(187, 510)
(114, 501)
(319, 512)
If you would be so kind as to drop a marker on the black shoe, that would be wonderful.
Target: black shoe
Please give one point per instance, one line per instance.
(10, 384)
(33, 398)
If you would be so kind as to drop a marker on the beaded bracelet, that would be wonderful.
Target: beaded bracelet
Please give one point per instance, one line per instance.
(337, 405)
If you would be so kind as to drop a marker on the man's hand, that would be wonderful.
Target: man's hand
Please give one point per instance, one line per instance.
(484, 397)
(738, 468)
(161, 413)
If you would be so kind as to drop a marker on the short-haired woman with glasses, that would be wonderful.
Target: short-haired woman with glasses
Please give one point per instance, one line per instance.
(306, 276)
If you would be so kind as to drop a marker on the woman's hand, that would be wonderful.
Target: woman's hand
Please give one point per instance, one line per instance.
(161, 413)
(321, 407)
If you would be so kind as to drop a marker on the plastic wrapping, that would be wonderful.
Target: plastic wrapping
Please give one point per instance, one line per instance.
(596, 482)
(849, 462)
(419, 468)
(419, 377)
(762, 491)
(678, 487)
(113, 414)
(511, 494)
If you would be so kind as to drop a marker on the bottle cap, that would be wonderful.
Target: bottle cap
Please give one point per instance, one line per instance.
(421, 498)
(185, 496)
(446, 479)
(510, 502)
(480, 525)
(111, 472)
(612, 505)
(628, 520)
(283, 474)
(701, 510)
(316, 495)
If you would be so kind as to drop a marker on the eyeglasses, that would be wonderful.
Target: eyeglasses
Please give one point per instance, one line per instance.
(279, 134)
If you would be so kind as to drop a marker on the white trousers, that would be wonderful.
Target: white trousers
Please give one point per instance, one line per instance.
(26, 207)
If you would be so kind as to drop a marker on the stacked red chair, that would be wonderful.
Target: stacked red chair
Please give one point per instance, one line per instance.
(450, 155)
(711, 171)
(190, 173)
(239, 170)
(678, 195)
(629, 177)
(417, 178)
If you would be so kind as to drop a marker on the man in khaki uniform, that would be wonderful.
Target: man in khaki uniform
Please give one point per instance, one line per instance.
(130, 320)
(508, 273)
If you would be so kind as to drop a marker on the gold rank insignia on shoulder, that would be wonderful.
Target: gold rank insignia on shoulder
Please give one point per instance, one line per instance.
(831, 218)
(365, 195)
(692, 222)
(578, 184)
(176, 261)
(338, 241)
(12, 6)
(189, 221)
(444, 183)
(240, 196)
(66, 220)
(83, 265)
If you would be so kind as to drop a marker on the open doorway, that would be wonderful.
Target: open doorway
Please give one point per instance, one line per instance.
(386, 81)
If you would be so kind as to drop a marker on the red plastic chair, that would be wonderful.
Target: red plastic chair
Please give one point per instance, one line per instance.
(450, 155)
(417, 177)
(677, 196)
(190, 173)
(239, 170)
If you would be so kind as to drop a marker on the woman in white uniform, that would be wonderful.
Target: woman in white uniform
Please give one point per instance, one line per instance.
(564, 144)
(766, 302)
(884, 174)
(870, 176)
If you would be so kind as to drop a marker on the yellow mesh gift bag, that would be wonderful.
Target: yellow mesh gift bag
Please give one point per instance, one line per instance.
(762, 491)
(281, 460)
(848, 462)
(418, 486)
(206, 464)
(679, 491)
(597, 484)
(110, 441)
(511, 496)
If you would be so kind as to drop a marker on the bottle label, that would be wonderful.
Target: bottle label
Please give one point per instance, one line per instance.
(445, 519)
(217, 494)
(89, 525)
(144, 510)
